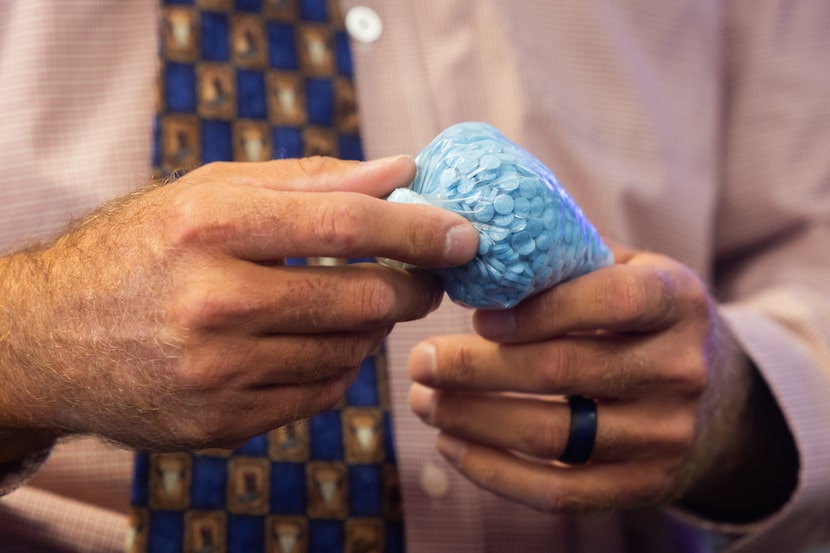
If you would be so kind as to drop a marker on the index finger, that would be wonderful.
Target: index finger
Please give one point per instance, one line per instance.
(316, 207)
(261, 225)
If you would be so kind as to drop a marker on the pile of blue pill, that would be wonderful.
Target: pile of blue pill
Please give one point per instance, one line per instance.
(532, 235)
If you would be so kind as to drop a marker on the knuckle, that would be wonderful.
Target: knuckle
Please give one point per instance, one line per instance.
(554, 500)
(462, 366)
(424, 242)
(678, 438)
(376, 302)
(196, 219)
(543, 439)
(198, 309)
(558, 371)
(204, 374)
(338, 224)
(488, 475)
(688, 376)
(627, 297)
(312, 166)
(656, 489)
(349, 351)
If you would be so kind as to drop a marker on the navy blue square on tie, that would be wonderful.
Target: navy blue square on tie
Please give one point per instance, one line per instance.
(180, 87)
(181, 2)
(255, 447)
(251, 96)
(350, 146)
(364, 391)
(167, 531)
(320, 101)
(342, 54)
(288, 142)
(207, 488)
(326, 436)
(282, 46)
(245, 534)
(215, 42)
(314, 10)
(140, 491)
(217, 144)
(325, 536)
(249, 5)
(287, 493)
(368, 481)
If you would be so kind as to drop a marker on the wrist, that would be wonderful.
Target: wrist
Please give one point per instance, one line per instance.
(739, 489)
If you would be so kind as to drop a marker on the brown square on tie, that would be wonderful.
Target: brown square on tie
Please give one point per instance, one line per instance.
(215, 5)
(248, 485)
(363, 435)
(249, 48)
(284, 534)
(327, 489)
(289, 442)
(315, 49)
(180, 34)
(364, 535)
(180, 145)
(252, 141)
(281, 10)
(170, 477)
(205, 531)
(319, 141)
(286, 98)
(216, 88)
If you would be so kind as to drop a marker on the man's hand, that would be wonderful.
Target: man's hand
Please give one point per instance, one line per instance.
(167, 320)
(681, 413)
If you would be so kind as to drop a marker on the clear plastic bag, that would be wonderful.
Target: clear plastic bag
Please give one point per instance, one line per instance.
(532, 235)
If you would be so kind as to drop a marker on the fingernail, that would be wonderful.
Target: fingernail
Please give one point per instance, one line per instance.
(422, 361)
(495, 324)
(451, 448)
(461, 244)
(422, 402)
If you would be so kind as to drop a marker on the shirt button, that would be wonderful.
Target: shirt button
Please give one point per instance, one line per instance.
(435, 482)
(363, 24)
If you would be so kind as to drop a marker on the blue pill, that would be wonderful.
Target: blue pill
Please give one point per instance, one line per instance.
(504, 204)
(504, 221)
(484, 213)
(489, 161)
(521, 206)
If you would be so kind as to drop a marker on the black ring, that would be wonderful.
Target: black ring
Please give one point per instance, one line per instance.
(583, 431)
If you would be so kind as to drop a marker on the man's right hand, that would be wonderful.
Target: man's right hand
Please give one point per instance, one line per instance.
(167, 320)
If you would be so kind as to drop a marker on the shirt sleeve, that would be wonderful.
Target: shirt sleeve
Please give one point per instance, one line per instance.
(14, 474)
(772, 234)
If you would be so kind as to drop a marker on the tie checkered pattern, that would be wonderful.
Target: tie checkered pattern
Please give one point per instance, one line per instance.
(253, 80)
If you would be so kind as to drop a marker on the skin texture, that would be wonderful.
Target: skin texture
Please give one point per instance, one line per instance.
(167, 320)
(681, 412)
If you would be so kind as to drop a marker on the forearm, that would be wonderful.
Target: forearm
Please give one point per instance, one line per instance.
(22, 434)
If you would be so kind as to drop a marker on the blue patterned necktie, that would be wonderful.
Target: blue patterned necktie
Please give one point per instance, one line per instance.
(252, 80)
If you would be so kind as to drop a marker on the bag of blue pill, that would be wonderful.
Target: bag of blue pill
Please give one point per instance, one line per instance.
(532, 235)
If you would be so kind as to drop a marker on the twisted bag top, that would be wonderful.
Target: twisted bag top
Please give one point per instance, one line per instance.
(532, 234)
